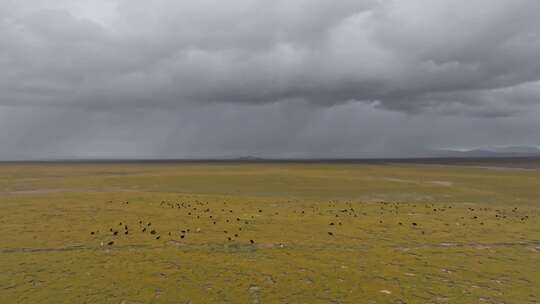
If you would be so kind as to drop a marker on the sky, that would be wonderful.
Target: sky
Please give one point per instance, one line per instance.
(281, 78)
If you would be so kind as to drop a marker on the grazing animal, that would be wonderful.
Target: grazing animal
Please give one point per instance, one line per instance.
(252, 241)
(115, 233)
(158, 237)
(330, 233)
(153, 232)
(92, 233)
(110, 243)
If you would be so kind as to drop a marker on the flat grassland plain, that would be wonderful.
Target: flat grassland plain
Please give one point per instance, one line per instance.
(268, 233)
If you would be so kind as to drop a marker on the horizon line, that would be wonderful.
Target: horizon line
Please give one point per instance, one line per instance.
(265, 159)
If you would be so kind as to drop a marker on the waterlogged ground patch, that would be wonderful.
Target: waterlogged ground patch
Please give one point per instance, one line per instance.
(268, 234)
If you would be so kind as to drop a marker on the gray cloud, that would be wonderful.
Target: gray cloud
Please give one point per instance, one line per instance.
(255, 69)
(399, 53)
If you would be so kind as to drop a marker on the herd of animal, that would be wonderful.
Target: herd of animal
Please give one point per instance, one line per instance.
(236, 221)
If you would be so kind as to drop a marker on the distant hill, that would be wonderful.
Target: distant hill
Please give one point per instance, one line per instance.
(512, 151)
(247, 158)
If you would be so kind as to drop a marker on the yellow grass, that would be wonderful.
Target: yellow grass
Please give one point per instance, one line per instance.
(476, 238)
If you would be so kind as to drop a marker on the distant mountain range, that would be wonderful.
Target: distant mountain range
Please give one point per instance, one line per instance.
(512, 151)
(489, 152)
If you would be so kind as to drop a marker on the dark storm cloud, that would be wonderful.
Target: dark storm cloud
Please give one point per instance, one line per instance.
(408, 55)
(288, 129)
(287, 78)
